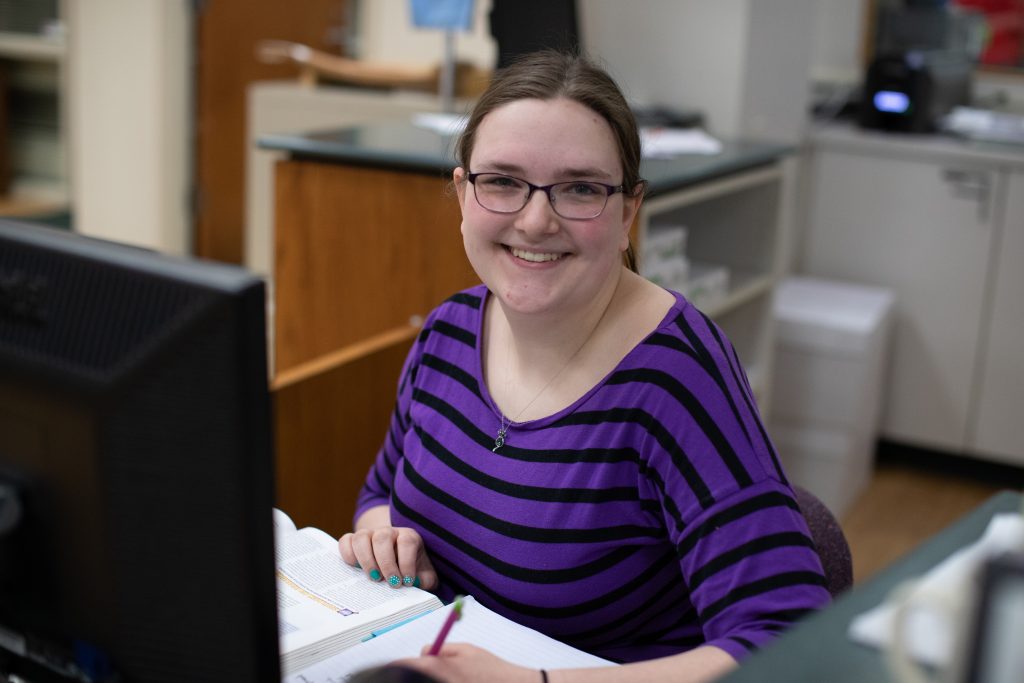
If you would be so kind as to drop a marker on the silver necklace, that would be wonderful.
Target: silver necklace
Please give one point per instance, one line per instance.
(504, 422)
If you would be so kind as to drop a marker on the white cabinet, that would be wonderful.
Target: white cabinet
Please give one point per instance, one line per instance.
(938, 225)
(733, 221)
(996, 430)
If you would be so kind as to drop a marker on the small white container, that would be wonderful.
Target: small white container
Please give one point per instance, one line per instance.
(830, 355)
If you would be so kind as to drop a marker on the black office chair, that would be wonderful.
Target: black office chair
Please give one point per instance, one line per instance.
(830, 541)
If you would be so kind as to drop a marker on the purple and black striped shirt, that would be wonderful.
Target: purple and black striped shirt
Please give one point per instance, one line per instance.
(647, 518)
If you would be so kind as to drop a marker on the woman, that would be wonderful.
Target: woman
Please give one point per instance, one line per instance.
(573, 445)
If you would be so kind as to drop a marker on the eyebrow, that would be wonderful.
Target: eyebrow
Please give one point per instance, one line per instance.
(569, 173)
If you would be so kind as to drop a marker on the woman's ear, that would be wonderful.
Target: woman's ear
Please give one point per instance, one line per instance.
(459, 179)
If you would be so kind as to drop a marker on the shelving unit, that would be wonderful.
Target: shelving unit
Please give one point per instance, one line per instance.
(733, 221)
(33, 128)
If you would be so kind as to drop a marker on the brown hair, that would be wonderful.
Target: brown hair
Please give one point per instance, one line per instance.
(547, 75)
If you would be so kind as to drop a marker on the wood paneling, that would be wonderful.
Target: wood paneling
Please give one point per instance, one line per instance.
(330, 417)
(359, 251)
(227, 33)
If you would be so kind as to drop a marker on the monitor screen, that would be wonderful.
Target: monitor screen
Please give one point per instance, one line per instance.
(136, 466)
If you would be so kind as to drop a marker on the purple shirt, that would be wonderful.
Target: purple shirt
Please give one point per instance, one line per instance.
(647, 518)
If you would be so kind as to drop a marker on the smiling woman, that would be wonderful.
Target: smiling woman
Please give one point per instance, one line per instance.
(573, 445)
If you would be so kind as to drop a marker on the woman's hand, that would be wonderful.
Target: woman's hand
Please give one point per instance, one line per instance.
(461, 662)
(394, 554)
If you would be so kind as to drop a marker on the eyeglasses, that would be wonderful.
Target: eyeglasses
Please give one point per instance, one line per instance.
(575, 199)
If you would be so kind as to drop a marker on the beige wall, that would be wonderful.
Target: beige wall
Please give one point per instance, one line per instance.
(129, 117)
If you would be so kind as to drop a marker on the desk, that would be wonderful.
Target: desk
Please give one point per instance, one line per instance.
(818, 649)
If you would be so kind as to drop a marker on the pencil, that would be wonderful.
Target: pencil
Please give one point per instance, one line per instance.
(453, 616)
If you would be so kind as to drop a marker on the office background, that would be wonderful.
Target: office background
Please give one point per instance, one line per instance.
(124, 154)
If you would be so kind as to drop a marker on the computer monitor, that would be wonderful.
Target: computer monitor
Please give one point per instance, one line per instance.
(136, 466)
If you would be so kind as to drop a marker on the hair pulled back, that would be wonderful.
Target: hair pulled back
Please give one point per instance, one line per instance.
(547, 75)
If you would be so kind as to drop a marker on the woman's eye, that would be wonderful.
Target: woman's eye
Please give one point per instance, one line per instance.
(502, 182)
(582, 189)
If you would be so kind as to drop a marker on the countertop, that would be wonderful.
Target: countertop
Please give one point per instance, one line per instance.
(403, 146)
(926, 146)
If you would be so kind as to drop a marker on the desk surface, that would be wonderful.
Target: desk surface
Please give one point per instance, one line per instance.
(818, 649)
(404, 146)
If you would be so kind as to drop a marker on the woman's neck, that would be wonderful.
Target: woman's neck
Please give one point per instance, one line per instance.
(543, 344)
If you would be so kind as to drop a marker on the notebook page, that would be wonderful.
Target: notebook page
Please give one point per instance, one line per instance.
(478, 626)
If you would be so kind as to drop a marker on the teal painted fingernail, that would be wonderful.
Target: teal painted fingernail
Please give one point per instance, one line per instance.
(407, 580)
(357, 566)
(394, 580)
(375, 575)
(416, 582)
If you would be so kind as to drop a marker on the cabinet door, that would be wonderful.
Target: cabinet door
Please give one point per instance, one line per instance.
(924, 230)
(1000, 408)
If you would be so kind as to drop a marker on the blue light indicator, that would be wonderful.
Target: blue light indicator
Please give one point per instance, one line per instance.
(892, 101)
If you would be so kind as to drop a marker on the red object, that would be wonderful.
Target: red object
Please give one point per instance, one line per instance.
(1005, 23)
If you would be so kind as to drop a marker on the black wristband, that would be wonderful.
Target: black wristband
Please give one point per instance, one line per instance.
(543, 676)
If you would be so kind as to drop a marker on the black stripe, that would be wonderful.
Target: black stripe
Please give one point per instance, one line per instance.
(474, 587)
(765, 585)
(508, 451)
(457, 333)
(664, 438)
(512, 571)
(523, 532)
(671, 342)
(696, 410)
(746, 644)
(748, 399)
(749, 549)
(738, 511)
(667, 504)
(466, 299)
(707, 361)
(538, 493)
(453, 372)
(787, 616)
(633, 622)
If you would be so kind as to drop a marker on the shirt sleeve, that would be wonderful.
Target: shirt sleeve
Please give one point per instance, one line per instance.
(751, 567)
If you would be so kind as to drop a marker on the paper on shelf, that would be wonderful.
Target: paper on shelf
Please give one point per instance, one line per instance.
(445, 124)
(669, 142)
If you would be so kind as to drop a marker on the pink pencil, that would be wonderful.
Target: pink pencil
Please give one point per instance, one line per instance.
(453, 616)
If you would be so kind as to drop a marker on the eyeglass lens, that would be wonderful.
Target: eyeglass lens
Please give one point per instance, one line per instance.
(574, 199)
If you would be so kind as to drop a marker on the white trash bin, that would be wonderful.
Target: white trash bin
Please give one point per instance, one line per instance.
(831, 352)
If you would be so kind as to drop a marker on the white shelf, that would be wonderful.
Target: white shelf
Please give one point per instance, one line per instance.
(26, 46)
(743, 288)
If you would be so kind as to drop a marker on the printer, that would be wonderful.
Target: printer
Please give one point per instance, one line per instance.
(913, 90)
(925, 53)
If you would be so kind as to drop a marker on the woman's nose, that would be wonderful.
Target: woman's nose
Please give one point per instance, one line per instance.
(538, 216)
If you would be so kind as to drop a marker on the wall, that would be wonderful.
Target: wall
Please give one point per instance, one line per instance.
(743, 63)
(130, 117)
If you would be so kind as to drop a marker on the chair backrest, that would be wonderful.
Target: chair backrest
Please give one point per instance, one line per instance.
(829, 539)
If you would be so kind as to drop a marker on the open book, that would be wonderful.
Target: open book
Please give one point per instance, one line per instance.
(326, 605)
(478, 626)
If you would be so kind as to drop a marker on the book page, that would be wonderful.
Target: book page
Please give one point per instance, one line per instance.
(320, 595)
(478, 626)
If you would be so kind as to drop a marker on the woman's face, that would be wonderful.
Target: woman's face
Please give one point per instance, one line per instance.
(535, 261)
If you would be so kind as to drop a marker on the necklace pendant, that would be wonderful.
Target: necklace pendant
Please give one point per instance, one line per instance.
(499, 441)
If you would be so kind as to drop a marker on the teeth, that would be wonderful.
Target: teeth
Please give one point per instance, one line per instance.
(534, 256)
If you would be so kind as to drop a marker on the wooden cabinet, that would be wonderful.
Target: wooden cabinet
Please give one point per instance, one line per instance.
(932, 223)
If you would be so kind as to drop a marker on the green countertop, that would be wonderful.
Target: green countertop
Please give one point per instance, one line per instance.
(403, 146)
